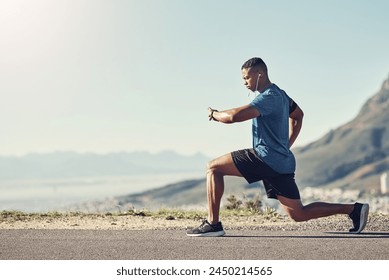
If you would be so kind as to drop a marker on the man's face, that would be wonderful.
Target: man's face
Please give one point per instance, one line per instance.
(250, 78)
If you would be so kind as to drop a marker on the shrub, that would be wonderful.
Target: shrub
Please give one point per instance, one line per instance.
(251, 205)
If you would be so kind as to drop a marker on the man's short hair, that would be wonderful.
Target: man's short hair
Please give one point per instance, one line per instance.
(255, 62)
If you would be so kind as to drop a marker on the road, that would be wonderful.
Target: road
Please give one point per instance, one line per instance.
(23, 244)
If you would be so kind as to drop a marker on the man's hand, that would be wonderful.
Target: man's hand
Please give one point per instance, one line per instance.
(239, 114)
(210, 114)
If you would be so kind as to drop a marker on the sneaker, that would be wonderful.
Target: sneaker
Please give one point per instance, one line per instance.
(359, 217)
(206, 229)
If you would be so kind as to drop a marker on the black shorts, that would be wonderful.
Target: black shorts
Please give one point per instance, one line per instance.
(253, 169)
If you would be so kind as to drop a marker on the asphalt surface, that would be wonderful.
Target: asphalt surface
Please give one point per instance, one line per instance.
(174, 244)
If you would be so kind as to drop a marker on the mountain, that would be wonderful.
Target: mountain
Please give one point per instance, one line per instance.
(72, 164)
(352, 156)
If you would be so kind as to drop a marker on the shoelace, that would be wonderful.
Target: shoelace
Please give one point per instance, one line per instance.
(203, 224)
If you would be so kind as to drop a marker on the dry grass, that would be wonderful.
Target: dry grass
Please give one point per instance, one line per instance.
(179, 220)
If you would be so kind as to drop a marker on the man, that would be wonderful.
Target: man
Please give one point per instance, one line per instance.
(276, 123)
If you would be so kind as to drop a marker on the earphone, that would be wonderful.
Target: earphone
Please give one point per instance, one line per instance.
(256, 87)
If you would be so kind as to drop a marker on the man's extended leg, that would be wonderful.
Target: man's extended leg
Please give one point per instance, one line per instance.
(295, 209)
(298, 212)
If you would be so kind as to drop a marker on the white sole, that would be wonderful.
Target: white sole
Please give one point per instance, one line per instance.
(207, 234)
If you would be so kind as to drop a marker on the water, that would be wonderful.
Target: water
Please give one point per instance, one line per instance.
(56, 194)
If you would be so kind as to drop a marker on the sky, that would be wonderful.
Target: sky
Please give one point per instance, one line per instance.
(138, 75)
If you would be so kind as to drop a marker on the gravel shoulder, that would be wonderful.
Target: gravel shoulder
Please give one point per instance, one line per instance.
(377, 222)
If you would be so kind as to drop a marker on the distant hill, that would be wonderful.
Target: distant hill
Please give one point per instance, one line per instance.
(72, 164)
(352, 156)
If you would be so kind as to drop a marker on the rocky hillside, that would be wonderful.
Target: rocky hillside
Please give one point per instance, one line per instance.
(353, 155)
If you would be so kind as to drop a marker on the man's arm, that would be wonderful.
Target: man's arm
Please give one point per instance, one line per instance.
(295, 123)
(239, 114)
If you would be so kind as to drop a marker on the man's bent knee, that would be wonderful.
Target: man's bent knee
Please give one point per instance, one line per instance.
(297, 215)
(212, 166)
(293, 208)
(223, 166)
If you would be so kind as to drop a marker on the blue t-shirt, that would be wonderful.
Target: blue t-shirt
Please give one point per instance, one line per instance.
(271, 129)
